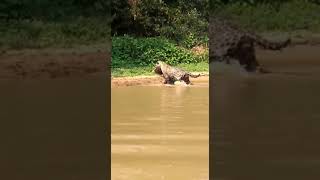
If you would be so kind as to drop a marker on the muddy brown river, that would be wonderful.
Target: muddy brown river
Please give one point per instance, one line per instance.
(160, 132)
(268, 126)
(53, 129)
(262, 126)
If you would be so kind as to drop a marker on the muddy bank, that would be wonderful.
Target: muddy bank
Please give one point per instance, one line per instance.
(297, 37)
(151, 80)
(53, 63)
(43, 64)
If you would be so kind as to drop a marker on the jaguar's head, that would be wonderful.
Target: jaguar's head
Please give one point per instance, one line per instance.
(157, 68)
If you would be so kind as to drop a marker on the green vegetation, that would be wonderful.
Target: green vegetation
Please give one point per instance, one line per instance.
(145, 31)
(41, 34)
(184, 21)
(129, 51)
(59, 23)
(137, 56)
(279, 16)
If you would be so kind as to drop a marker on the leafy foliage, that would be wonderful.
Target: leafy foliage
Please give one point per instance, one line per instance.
(52, 10)
(40, 34)
(183, 21)
(43, 23)
(188, 29)
(129, 51)
(218, 4)
(289, 15)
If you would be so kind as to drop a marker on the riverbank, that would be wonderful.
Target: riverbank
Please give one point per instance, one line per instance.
(152, 80)
(52, 63)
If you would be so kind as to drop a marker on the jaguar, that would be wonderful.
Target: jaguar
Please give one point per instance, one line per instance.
(172, 74)
(230, 42)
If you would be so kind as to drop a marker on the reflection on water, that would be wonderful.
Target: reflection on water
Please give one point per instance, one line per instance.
(268, 126)
(160, 133)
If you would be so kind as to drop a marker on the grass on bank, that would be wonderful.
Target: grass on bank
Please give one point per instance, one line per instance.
(147, 71)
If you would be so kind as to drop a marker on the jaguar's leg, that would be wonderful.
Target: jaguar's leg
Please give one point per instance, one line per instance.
(252, 64)
(166, 79)
(251, 61)
(186, 79)
(172, 80)
(246, 55)
(169, 80)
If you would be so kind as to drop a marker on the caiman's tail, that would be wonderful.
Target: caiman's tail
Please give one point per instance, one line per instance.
(272, 45)
(193, 75)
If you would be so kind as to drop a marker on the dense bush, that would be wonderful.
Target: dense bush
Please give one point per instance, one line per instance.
(214, 4)
(132, 52)
(40, 34)
(44, 23)
(52, 10)
(183, 21)
(288, 16)
(188, 29)
(121, 16)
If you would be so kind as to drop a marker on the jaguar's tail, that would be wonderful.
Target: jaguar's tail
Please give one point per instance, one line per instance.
(194, 75)
(266, 44)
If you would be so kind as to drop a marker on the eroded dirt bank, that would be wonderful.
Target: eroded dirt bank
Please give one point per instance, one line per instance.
(43, 64)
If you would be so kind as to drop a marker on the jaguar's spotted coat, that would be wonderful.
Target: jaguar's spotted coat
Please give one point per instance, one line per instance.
(228, 41)
(172, 74)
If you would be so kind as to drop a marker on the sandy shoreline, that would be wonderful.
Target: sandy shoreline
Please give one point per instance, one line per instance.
(151, 80)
